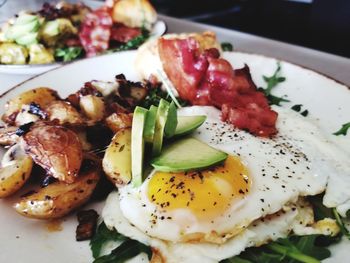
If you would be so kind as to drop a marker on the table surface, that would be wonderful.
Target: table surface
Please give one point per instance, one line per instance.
(331, 65)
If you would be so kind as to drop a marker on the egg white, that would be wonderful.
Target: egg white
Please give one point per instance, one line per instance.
(299, 161)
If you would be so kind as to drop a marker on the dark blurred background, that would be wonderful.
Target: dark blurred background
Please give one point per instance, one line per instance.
(318, 24)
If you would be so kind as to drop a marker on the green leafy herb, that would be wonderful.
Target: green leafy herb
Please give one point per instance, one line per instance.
(103, 235)
(293, 249)
(127, 250)
(68, 53)
(133, 43)
(272, 82)
(343, 130)
(155, 95)
(226, 46)
(341, 224)
(320, 210)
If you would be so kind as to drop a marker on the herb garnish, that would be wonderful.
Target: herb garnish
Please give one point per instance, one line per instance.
(272, 82)
(68, 53)
(226, 46)
(343, 130)
(341, 224)
(308, 249)
(128, 249)
(155, 95)
(103, 234)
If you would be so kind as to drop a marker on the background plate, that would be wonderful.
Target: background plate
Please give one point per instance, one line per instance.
(29, 241)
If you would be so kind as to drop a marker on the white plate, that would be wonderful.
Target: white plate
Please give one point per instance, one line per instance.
(158, 29)
(26, 240)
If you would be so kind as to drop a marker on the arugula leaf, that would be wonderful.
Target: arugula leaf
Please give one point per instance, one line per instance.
(127, 250)
(155, 95)
(341, 224)
(226, 46)
(68, 53)
(343, 130)
(287, 250)
(103, 234)
(272, 82)
(320, 210)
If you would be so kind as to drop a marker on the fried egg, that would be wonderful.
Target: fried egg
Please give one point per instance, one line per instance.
(208, 211)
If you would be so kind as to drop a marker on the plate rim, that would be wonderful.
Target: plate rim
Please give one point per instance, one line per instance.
(127, 51)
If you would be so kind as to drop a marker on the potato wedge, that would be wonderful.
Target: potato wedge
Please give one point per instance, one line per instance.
(93, 107)
(8, 135)
(13, 176)
(116, 162)
(58, 199)
(64, 113)
(56, 149)
(41, 96)
(119, 121)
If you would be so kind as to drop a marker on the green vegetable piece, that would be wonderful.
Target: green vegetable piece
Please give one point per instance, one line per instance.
(343, 130)
(187, 155)
(272, 82)
(150, 124)
(17, 31)
(125, 251)
(28, 39)
(187, 124)
(68, 53)
(226, 46)
(137, 145)
(25, 19)
(171, 122)
(341, 224)
(102, 236)
(51, 28)
(161, 118)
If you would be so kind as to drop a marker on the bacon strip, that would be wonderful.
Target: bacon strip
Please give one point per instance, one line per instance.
(206, 79)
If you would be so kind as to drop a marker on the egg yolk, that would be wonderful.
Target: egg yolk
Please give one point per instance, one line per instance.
(207, 193)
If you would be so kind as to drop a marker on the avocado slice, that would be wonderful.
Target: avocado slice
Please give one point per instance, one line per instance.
(161, 118)
(171, 121)
(25, 19)
(187, 155)
(137, 145)
(150, 124)
(51, 28)
(28, 39)
(17, 31)
(187, 124)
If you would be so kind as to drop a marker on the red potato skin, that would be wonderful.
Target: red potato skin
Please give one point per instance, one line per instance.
(56, 149)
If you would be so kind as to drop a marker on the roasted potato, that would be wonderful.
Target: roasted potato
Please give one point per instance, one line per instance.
(41, 96)
(8, 135)
(119, 121)
(24, 116)
(58, 199)
(56, 149)
(117, 159)
(93, 107)
(55, 30)
(38, 54)
(64, 113)
(15, 171)
(11, 53)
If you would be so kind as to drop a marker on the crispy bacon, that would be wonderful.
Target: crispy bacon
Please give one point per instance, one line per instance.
(95, 31)
(122, 34)
(206, 79)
